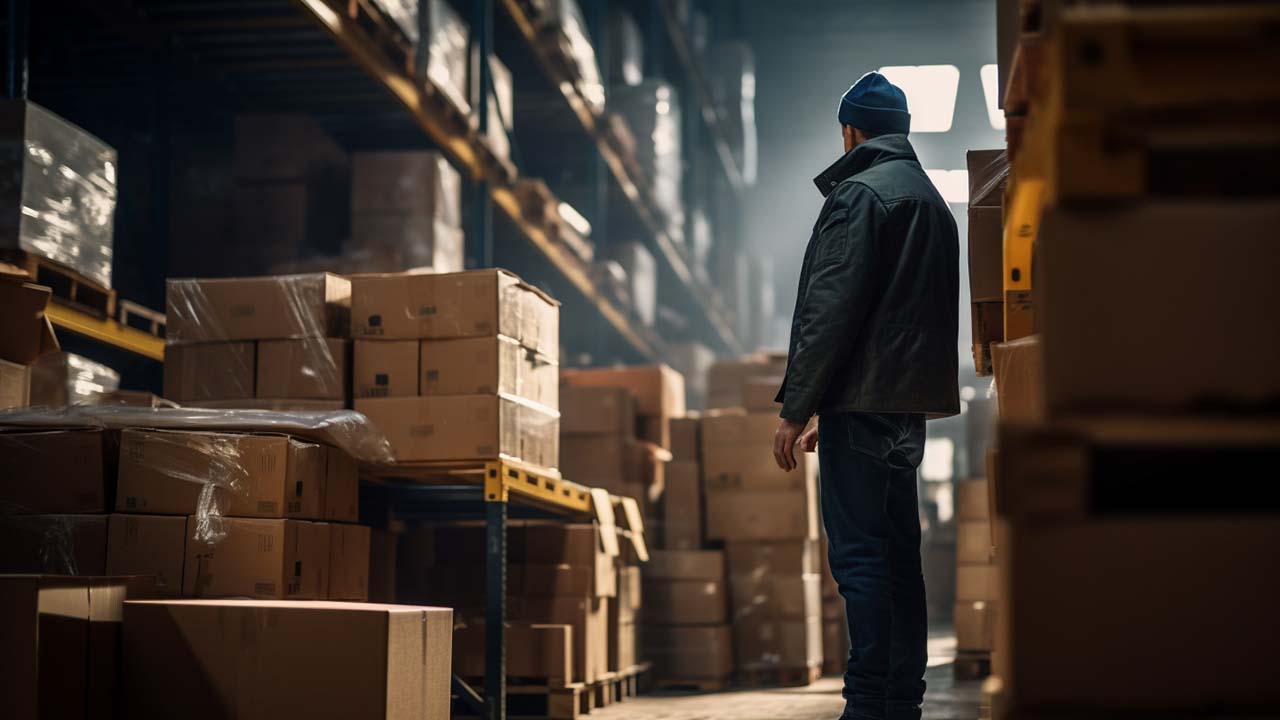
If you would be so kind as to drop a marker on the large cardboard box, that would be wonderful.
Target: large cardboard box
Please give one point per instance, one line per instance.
(565, 580)
(1019, 370)
(166, 471)
(82, 459)
(54, 544)
(681, 506)
(257, 308)
(765, 643)
(763, 559)
(15, 385)
(726, 382)
(62, 645)
(272, 559)
(305, 368)
(689, 652)
(209, 371)
(975, 622)
(973, 542)
(551, 547)
(758, 394)
(658, 391)
(737, 454)
(465, 427)
(972, 500)
(685, 565)
(988, 176)
(348, 562)
(476, 303)
(400, 239)
(477, 366)
(188, 658)
(1136, 596)
(25, 331)
(385, 368)
(1197, 331)
(630, 595)
(151, 545)
(686, 438)
(533, 651)
(588, 618)
(776, 596)
(422, 182)
(976, 582)
(341, 486)
(612, 462)
(986, 253)
(597, 411)
(685, 602)
(774, 515)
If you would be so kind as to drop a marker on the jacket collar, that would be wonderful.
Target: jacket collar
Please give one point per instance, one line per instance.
(870, 153)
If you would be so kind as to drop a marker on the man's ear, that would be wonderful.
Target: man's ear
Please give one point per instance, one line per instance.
(850, 137)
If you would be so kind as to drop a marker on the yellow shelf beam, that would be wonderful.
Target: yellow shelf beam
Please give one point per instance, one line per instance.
(106, 331)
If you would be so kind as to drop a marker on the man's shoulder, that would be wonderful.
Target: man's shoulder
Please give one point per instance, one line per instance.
(896, 181)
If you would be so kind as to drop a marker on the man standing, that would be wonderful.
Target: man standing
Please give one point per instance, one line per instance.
(873, 352)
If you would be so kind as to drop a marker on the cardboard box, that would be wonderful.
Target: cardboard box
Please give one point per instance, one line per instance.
(624, 650)
(751, 467)
(1020, 382)
(306, 368)
(271, 559)
(727, 380)
(785, 515)
(533, 651)
(257, 308)
(385, 368)
(574, 545)
(777, 597)
(758, 395)
(975, 582)
(685, 602)
(972, 500)
(763, 559)
(151, 545)
(465, 427)
(737, 429)
(82, 459)
(682, 507)
(975, 622)
(1212, 295)
(407, 239)
(986, 253)
(348, 562)
(658, 391)
(479, 366)
(588, 619)
(689, 652)
(630, 595)
(1137, 591)
(597, 411)
(686, 438)
(54, 544)
(62, 645)
(988, 176)
(318, 659)
(15, 385)
(764, 643)
(565, 580)
(209, 371)
(973, 542)
(341, 486)
(421, 181)
(685, 565)
(25, 331)
(165, 471)
(987, 322)
(611, 462)
(476, 303)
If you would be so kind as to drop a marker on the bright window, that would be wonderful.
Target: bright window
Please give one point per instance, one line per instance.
(939, 454)
(931, 93)
(990, 88)
(953, 184)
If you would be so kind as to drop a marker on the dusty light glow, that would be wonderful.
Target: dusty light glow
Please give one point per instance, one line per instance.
(931, 93)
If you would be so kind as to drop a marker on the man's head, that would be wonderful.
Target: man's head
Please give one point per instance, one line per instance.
(872, 107)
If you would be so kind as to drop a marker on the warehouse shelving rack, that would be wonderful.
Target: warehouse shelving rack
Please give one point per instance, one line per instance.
(492, 489)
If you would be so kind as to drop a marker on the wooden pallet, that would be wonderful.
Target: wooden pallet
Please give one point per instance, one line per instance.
(140, 317)
(972, 664)
(782, 677)
(69, 286)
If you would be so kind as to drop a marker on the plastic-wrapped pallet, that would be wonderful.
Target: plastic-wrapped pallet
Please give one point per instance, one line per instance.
(443, 59)
(566, 17)
(63, 378)
(652, 110)
(58, 187)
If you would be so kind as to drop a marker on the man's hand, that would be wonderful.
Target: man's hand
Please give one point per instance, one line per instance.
(808, 441)
(784, 443)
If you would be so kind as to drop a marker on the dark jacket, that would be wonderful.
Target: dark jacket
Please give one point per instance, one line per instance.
(877, 312)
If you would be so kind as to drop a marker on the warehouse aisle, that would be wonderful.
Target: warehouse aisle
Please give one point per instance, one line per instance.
(945, 699)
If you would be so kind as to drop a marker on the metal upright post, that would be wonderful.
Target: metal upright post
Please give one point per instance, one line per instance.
(480, 238)
(495, 614)
(16, 70)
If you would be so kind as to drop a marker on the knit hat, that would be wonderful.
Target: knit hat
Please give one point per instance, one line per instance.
(874, 103)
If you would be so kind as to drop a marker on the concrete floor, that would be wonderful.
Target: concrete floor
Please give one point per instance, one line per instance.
(944, 700)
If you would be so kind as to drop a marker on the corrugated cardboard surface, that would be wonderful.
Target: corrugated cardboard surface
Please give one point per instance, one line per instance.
(385, 368)
(758, 394)
(973, 541)
(154, 545)
(685, 602)
(1019, 371)
(686, 437)
(271, 559)
(681, 527)
(685, 565)
(658, 390)
(777, 597)
(607, 461)
(762, 559)
(477, 366)
(15, 385)
(25, 332)
(588, 618)
(257, 308)
(789, 515)
(306, 368)
(975, 582)
(348, 562)
(689, 652)
(972, 500)
(209, 371)
(727, 380)
(766, 643)
(82, 460)
(465, 427)
(986, 253)
(597, 411)
(341, 486)
(317, 659)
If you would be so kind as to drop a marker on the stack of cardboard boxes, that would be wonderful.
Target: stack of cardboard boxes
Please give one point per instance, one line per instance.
(272, 342)
(458, 366)
(988, 176)
(687, 634)
(681, 527)
(976, 595)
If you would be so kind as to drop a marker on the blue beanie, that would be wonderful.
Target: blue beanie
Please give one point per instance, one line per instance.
(874, 103)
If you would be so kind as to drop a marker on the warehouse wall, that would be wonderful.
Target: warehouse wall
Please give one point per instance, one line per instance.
(804, 62)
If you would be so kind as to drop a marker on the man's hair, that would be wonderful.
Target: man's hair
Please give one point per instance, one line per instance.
(869, 134)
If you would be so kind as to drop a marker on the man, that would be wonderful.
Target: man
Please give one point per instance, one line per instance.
(873, 352)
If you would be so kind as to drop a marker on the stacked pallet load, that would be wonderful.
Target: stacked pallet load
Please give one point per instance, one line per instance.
(458, 366)
(687, 634)
(275, 342)
(1135, 153)
(976, 592)
(768, 521)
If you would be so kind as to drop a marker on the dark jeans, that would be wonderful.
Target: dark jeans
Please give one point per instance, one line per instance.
(867, 465)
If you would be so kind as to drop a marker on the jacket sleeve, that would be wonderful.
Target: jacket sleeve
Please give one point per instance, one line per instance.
(836, 301)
